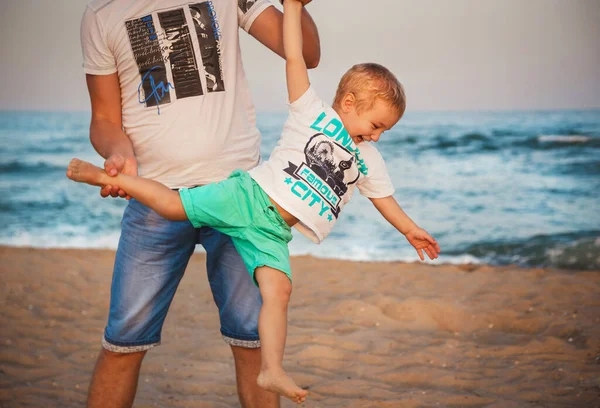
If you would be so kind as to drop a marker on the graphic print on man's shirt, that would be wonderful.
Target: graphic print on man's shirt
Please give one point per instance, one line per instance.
(168, 52)
(332, 164)
(245, 5)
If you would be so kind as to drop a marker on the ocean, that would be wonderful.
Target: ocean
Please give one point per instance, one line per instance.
(492, 187)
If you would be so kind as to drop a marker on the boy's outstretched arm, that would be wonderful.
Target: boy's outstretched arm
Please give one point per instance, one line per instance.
(417, 237)
(295, 67)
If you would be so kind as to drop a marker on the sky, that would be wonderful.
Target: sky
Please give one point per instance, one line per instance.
(450, 55)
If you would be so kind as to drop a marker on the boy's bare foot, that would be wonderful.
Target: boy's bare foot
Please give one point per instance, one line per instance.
(84, 172)
(281, 383)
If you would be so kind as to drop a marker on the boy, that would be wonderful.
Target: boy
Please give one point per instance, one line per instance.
(309, 177)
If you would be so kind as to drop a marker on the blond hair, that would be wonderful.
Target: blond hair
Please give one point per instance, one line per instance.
(369, 82)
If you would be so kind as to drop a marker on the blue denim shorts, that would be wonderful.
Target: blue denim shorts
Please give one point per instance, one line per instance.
(151, 259)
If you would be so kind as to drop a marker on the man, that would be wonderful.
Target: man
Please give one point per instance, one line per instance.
(170, 101)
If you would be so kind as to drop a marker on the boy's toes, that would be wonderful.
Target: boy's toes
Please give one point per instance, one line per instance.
(74, 169)
(301, 396)
(72, 165)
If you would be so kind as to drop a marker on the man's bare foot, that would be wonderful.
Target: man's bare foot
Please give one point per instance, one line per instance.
(281, 383)
(84, 172)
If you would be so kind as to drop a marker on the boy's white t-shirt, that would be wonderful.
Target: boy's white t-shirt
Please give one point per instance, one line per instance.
(185, 102)
(313, 170)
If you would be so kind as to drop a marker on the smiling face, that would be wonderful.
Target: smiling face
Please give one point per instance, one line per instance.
(369, 100)
(366, 124)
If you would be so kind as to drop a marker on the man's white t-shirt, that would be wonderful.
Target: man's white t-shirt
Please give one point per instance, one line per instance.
(313, 170)
(185, 101)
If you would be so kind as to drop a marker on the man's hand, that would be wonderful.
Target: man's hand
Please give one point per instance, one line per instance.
(422, 241)
(114, 165)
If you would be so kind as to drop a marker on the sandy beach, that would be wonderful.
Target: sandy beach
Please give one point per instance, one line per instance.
(361, 335)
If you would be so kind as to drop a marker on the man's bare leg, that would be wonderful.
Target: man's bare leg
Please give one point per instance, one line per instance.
(247, 368)
(115, 379)
(275, 289)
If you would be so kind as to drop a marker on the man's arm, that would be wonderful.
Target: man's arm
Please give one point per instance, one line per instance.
(268, 29)
(417, 237)
(106, 132)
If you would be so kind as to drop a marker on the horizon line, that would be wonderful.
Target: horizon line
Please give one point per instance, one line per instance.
(277, 111)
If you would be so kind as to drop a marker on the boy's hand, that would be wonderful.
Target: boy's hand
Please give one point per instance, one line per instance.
(422, 241)
(114, 165)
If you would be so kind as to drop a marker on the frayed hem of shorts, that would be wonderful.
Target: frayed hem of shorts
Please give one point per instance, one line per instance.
(251, 344)
(127, 349)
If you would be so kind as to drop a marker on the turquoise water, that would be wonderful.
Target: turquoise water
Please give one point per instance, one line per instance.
(501, 187)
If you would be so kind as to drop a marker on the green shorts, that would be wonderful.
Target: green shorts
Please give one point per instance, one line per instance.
(240, 208)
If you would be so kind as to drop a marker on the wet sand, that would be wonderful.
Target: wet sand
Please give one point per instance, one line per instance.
(361, 335)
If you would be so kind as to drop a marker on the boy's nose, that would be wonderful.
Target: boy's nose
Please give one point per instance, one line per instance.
(375, 136)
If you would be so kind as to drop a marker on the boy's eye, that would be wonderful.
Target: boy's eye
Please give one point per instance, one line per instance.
(373, 126)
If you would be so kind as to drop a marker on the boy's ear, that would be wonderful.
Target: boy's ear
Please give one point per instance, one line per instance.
(348, 102)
